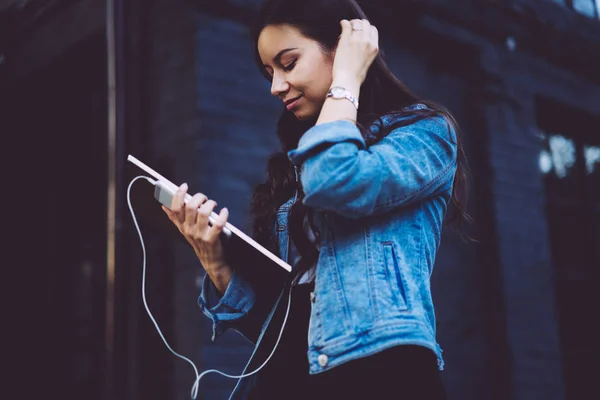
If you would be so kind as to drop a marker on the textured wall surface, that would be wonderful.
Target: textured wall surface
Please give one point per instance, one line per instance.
(200, 112)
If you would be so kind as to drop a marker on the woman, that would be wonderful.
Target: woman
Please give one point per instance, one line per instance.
(361, 188)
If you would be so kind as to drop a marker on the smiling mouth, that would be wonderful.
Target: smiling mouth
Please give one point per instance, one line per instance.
(292, 103)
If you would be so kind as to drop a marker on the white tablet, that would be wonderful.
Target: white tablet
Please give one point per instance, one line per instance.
(240, 243)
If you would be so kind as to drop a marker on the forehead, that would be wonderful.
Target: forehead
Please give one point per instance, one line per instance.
(274, 38)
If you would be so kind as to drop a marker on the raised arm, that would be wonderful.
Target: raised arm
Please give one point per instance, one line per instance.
(340, 174)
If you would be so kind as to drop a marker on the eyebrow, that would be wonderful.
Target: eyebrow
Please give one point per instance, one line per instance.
(277, 58)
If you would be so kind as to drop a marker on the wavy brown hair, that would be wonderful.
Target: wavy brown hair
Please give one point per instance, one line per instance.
(382, 94)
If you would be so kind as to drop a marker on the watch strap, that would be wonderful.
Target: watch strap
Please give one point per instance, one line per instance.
(338, 92)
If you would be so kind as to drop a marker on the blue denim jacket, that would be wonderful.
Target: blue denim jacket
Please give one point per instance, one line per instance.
(379, 211)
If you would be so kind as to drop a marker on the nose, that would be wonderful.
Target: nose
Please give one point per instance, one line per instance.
(279, 85)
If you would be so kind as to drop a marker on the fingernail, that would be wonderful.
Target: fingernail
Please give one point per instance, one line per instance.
(184, 186)
(225, 209)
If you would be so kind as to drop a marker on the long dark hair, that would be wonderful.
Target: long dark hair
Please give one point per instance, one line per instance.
(381, 94)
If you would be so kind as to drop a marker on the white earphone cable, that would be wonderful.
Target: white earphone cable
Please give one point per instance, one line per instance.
(194, 391)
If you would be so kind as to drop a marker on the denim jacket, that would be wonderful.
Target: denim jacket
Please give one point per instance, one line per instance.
(379, 211)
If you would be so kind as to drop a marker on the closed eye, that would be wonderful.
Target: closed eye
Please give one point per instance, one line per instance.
(290, 66)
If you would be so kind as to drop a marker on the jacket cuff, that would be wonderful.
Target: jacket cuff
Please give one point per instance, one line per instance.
(237, 300)
(325, 134)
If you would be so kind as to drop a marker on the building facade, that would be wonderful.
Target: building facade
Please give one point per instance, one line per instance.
(84, 83)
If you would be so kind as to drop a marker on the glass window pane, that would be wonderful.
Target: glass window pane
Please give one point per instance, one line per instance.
(592, 167)
(585, 7)
(558, 163)
(592, 158)
(562, 151)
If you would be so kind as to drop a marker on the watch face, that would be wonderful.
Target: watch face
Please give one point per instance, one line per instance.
(337, 92)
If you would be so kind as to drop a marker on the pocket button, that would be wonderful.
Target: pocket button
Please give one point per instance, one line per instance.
(323, 360)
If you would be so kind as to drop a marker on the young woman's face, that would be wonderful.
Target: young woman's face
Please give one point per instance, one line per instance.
(300, 69)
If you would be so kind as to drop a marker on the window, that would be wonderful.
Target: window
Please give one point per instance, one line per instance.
(570, 165)
(589, 8)
(585, 7)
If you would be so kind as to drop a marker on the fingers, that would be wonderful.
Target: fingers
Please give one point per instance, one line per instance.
(191, 213)
(362, 30)
(360, 26)
(346, 27)
(217, 227)
(201, 223)
(192, 220)
(205, 210)
(375, 37)
(177, 213)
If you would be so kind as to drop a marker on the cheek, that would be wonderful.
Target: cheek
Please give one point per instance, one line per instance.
(324, 77)
(320, 81)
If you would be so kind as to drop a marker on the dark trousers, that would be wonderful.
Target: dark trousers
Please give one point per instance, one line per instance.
(402, 372)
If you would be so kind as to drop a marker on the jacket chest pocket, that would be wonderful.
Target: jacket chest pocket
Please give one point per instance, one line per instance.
(396, 286)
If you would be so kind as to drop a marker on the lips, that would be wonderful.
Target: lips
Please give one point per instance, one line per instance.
(291, 102)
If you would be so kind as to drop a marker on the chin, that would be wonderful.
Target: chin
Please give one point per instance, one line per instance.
(303, 115)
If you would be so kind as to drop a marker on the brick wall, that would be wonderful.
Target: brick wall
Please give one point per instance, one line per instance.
(495, 300)
(207, 118)
(235, 138)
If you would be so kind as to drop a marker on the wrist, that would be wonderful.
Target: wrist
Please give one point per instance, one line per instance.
(341, 93)
(348, 82)
(220, 277)
(212, 265)
(217, 268)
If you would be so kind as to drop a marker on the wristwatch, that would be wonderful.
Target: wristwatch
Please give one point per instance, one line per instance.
(338, 92)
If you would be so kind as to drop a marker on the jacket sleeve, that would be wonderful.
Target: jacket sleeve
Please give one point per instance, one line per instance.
(226, 310)
(340, 174)
(245, 304)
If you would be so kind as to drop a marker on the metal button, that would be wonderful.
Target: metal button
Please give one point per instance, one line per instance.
(323, 360)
